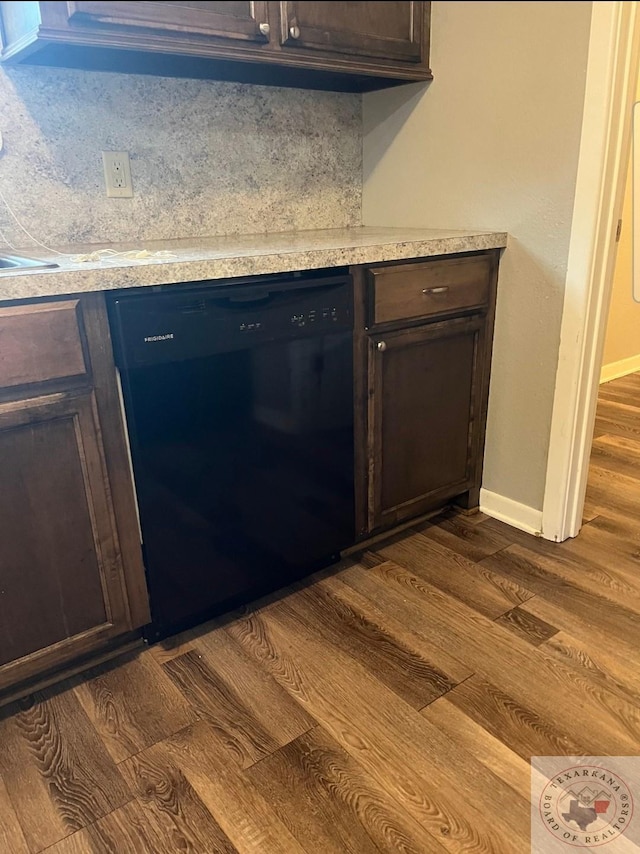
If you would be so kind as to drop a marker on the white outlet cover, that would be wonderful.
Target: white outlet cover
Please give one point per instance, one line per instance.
(117, 174)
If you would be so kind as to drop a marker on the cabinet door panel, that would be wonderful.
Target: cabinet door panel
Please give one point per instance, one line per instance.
(386, 29)
(424, 402)
(60, 577)
(232, 20)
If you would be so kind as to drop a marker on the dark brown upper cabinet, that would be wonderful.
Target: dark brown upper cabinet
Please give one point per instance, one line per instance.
(236, 21)
(387, 30)
(354, 47)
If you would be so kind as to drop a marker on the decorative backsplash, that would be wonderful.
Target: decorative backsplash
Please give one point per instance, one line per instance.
(207, 158)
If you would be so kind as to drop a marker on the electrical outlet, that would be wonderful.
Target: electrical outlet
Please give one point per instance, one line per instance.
(117, 174)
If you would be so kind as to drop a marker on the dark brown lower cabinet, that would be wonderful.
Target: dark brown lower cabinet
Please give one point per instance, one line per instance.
(72, 583)
(71, 574)
(426, 394)
(423, 336)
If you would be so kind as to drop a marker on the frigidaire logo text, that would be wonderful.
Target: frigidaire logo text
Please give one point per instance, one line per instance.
(166, 337)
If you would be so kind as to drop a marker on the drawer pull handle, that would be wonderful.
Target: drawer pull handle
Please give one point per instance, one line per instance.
(294, 32)
(382, 346)
(265, 29)
(441, 290)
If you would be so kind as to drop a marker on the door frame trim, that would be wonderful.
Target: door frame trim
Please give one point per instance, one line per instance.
(612, 68)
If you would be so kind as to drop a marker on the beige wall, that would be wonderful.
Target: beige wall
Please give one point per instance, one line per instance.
(622, 340)
(206, 157)
(493, 142)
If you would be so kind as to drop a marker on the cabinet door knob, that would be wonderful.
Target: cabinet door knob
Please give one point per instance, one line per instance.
(382, 346)
(294, 32)
(265, 29)
(441, 290)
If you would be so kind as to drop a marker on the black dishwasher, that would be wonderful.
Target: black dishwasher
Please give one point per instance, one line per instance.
(238, 398)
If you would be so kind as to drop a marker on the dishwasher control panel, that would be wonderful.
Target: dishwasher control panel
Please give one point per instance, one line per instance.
(172, 325)
(326, 314)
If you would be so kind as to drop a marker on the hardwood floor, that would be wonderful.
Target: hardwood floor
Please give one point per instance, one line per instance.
(390, 704)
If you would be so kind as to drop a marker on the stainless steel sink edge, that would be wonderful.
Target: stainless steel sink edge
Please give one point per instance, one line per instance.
(13, 263)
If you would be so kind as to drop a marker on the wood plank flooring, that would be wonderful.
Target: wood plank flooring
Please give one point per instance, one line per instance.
(389, 704)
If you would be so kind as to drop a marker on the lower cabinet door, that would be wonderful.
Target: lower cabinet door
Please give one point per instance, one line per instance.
(62, 591)
(425, 413)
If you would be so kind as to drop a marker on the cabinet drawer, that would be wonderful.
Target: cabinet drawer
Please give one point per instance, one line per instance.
(405, 291)
(39, 343)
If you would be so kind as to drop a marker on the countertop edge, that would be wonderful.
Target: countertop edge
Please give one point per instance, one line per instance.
(62, 282)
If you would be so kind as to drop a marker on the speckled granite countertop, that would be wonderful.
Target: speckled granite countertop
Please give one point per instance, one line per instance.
(199, 259)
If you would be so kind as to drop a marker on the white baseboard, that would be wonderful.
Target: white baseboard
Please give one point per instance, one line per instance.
(512, 512)
(620, 369)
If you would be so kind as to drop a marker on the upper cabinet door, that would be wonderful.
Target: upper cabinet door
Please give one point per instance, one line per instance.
(384, 30)
(230, 20)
